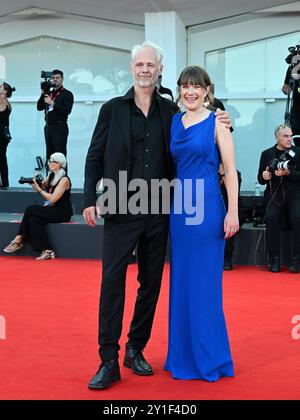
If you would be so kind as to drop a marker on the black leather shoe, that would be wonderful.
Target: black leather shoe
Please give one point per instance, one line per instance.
(295, 266)
(275, 265)
(227, 264)
(108, 373)
(135, 361)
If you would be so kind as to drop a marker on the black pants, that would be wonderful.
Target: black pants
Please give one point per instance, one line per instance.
(229, 247)
(56, 136)
(121, 234)
(274, 219)
(295, 125)
(35, 220)
(3, 162)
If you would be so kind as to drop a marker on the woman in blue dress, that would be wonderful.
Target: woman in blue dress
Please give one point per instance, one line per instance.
(198, 345)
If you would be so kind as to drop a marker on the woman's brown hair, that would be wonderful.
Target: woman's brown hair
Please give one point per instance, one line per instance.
(195, 75)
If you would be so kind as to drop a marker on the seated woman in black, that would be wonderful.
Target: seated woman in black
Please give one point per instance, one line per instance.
(57, 208)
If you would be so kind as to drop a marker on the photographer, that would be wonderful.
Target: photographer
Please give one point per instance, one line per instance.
(279, 169)
(57, 208)
(57, 105)
(229, 245)
(295, 111)
(5, 109)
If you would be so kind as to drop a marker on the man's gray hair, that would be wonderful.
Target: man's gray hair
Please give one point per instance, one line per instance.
(279, 127)
(150, 44)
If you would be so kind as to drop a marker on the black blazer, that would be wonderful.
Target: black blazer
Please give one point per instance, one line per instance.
(291, 182)
(109, 151)
(63, 104)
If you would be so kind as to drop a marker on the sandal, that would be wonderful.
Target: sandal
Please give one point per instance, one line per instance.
(48, 254)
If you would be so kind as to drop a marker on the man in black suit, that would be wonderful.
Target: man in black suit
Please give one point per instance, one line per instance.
(57, 106)
(293, 89)
(282, 194)
(132, 135)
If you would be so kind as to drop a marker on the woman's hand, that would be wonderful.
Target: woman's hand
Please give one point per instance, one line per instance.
(231, 224)
(223, 117)
(35, 185)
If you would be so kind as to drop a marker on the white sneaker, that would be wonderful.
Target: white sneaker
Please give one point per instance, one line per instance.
(13, 247)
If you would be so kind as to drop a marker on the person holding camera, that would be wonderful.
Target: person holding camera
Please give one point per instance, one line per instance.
(229, 244)
(57, 208)
(5, 109)
(57, 105)
(294, 89)
(279, 169)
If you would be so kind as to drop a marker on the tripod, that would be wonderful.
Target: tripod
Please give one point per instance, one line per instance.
(46, 136)
(289, 102)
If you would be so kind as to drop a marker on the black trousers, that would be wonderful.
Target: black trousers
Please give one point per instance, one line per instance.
(3, 162)
(229, 247)
(121, 235)
(56, 136)
(274, 219)
(35, 220)
(295, 125)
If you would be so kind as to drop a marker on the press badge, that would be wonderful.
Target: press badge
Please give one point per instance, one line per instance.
(47, 203)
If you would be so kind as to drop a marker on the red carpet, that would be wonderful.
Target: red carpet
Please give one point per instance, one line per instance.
(50, 351)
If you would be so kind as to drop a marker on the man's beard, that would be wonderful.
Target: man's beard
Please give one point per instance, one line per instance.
(145, 83)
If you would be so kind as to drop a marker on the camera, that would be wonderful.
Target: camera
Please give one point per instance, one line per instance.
(293, 59)
(39, 179)
(46, 85)
(285, 161)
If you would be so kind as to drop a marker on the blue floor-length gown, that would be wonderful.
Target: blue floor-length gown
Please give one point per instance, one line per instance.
(198, 345)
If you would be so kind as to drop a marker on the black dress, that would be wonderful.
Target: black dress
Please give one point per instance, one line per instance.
(36, 217)
(4, 122)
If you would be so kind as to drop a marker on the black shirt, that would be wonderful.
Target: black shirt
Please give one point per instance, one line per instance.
(296, 92)
(218, 104)
(148, 158)
(65, 200)
(63, 103)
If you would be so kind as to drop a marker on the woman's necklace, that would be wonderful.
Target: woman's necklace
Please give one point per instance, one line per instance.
(191, 120)
(195, 117)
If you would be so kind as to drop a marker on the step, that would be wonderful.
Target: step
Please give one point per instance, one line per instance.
(15, 200)
(77, 240)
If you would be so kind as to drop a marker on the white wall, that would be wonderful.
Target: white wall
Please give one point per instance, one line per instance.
(249, 79)
(201, 41)
(27, 59)
(167, 30)
(110, 36)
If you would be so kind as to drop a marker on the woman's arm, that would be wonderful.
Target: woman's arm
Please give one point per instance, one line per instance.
(63, 185)
(226, 147)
